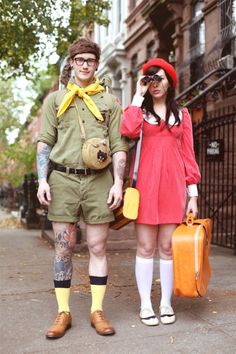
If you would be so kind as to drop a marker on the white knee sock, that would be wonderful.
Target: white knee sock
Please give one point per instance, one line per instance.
(166, 278)
(144, 276)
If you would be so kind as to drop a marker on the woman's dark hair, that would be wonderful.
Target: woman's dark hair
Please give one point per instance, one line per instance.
(81, 45)
(171, 104)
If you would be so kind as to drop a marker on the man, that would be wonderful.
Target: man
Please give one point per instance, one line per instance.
(80, 110)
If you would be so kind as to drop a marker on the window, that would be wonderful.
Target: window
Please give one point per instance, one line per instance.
(107, 29)
(119, 15)
(197, 8)
(227, 18)
(134, 73)
(197, 30)
(151, 50)
(132, 4)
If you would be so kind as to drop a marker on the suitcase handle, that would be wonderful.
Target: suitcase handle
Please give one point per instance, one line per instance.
(190, 219)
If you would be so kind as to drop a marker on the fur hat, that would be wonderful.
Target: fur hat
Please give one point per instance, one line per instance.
(84, 45)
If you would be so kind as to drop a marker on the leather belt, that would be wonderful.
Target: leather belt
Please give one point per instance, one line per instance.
(74, 171)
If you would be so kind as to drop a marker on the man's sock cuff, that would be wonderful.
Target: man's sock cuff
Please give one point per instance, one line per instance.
(98, 280)
(62, 283)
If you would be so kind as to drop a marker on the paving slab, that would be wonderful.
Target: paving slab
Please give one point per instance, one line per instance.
(27, 305)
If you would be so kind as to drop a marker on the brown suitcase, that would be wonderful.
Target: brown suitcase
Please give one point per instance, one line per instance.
(191, 247)
(120, 220)
(128, 211)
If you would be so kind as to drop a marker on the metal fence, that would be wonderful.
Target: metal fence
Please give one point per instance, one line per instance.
(215, 147)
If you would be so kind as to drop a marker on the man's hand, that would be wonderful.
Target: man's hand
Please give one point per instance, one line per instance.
(192, 207)
(44, 195)
(115, 196)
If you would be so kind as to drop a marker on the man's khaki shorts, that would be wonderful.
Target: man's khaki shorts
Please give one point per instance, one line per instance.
(73, 195)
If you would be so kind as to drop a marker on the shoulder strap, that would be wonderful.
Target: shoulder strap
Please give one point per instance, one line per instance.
(137, 157)
(82, 130)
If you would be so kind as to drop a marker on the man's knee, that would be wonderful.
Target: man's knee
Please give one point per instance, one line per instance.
(97, 249)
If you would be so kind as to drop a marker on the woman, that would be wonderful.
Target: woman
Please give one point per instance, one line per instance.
(167, 166)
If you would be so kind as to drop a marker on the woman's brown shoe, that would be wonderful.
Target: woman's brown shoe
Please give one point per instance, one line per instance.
(101, 324)
(60, 326)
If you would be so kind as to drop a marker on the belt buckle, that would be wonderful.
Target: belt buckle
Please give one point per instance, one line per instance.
(85, 171)
(67, 170)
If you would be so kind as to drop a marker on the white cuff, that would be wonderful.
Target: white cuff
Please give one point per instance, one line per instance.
(137, 100)
(192, 190)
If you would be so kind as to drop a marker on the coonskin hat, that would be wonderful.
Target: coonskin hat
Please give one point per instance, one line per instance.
(169, 69)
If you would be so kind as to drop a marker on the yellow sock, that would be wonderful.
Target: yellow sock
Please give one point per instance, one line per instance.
(62, 296)
(98, 293)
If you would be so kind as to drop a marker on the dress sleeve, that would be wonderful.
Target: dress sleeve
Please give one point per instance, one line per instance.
(192, 173)
(132, 119)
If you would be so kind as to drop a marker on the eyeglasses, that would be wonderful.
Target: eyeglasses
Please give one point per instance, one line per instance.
(154, 78)
(80, 61)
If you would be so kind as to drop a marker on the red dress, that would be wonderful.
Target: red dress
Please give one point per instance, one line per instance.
(167, 165)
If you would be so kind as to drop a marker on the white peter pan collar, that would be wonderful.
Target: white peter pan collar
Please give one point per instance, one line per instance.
(152, 120)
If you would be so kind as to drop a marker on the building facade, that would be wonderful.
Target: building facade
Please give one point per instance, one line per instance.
(192, 35)
(199, 38)
(113, 61)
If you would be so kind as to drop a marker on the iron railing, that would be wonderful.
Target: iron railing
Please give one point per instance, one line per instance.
(215, 147)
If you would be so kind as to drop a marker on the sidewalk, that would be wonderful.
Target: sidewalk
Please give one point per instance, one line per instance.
(203, 326)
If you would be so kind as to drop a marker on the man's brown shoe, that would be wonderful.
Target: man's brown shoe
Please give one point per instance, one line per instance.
(101, 324)
(60, 326)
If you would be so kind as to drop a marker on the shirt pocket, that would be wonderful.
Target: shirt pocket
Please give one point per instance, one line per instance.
(68, 118)
(106, 114)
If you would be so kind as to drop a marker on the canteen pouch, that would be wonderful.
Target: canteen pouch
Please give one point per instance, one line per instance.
(96, 153)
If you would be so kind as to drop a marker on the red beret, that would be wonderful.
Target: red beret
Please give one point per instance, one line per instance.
(169, 69)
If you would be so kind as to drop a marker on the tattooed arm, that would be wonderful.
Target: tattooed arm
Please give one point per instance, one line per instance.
(115, 194)
(43, 152)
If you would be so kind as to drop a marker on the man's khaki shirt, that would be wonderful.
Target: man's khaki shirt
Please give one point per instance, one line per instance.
(64, 135)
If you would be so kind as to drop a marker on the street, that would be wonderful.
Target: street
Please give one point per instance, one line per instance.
(28, 306)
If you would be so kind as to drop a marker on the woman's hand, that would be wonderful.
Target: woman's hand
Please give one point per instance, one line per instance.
(141, 88)
(192, 207)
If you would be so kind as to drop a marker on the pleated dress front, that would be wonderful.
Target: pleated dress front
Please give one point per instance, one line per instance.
(167, 165)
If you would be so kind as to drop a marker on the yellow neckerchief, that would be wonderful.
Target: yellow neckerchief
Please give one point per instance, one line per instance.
(84, 93)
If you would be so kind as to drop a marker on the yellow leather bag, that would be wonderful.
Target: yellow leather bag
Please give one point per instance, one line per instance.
(128, 211)
(191, 247)
(131, 203)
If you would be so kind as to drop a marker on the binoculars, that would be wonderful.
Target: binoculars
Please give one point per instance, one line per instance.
(154, 78)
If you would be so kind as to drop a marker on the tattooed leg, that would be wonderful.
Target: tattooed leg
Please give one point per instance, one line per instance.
(65, 240)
